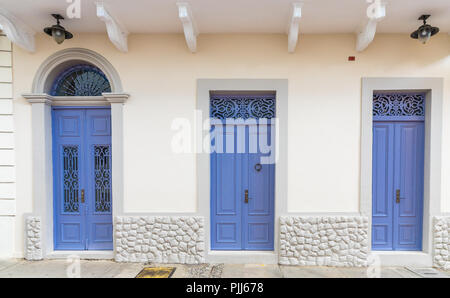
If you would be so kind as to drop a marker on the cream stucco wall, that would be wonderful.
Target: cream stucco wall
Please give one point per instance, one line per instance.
(324, 109)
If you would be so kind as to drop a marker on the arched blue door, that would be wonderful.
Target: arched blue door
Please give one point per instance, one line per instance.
(82, 164)
(398, 171)
(242, 183)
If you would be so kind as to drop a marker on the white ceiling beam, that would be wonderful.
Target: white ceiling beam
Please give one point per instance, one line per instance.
(17, 31)
(296, 14)
(117, 33)
(375, 12)
(189, 26)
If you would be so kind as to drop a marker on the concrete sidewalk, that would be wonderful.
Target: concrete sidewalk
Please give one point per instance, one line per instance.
(111, 269)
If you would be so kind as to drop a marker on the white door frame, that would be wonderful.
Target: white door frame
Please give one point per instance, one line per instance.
(432, 167)
(280, 86)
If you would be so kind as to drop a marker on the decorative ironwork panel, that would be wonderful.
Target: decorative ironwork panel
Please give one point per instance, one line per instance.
(102, 172)
(223, 107)
(81, 80)
(398, 104)
(71, 179)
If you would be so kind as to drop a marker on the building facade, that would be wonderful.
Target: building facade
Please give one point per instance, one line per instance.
(106, 154)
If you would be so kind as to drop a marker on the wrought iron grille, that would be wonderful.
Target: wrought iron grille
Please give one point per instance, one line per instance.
(102, 172)
(398, 104)
(81, 80)
(71, 179)
(244, 107)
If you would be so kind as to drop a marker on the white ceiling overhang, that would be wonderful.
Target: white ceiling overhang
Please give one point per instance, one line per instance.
(231, 16)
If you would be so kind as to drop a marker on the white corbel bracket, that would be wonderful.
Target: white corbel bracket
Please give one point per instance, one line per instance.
(16, 31)
(375, 12)
(296, 14)
(189, 26)
(116, 31)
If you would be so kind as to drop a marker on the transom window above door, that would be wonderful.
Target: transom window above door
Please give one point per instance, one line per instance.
(244, 107)
(396, 106)
(80, 80)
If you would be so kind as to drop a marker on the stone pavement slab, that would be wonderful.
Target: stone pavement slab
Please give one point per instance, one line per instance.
(310, 272)
(109, 269)
(7, 263)
(251, 271)
(62, 268)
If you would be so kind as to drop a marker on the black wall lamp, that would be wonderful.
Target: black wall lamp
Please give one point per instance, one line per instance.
(57, 31)
(425, 31)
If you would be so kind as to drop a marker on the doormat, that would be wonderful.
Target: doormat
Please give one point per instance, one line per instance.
(428, 272)
(156, 272)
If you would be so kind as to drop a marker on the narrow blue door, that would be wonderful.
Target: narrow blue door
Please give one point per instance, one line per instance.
(242, 187)
(258, 219)
(409, 180)
(82, 179)
(398, 179)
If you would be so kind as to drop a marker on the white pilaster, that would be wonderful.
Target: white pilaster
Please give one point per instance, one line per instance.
(42, 164)
(7, 155)
(117, 101)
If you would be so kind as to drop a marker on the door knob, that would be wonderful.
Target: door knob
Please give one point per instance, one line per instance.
(246, 196)
(397, 196)
(82, 196)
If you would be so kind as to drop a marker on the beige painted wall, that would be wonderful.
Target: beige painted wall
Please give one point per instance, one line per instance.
(324, 109)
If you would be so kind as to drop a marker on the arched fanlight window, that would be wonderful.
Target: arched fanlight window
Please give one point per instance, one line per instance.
(81, 80)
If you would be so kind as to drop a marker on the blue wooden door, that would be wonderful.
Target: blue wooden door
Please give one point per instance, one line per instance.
(397, 191)
(242, 185)
(82, 179)
(259, 180)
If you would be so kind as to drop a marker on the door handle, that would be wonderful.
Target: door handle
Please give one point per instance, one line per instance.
(397, 196)
(82, 196)
(246, 196)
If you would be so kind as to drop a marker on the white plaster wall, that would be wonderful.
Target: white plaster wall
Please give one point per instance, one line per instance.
(324, 109)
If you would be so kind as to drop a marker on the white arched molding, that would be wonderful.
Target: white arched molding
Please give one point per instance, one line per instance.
(42, 175)
(53, 65)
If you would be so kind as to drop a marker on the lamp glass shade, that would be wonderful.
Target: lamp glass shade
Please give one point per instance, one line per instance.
(58, 35)
(424, 35)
